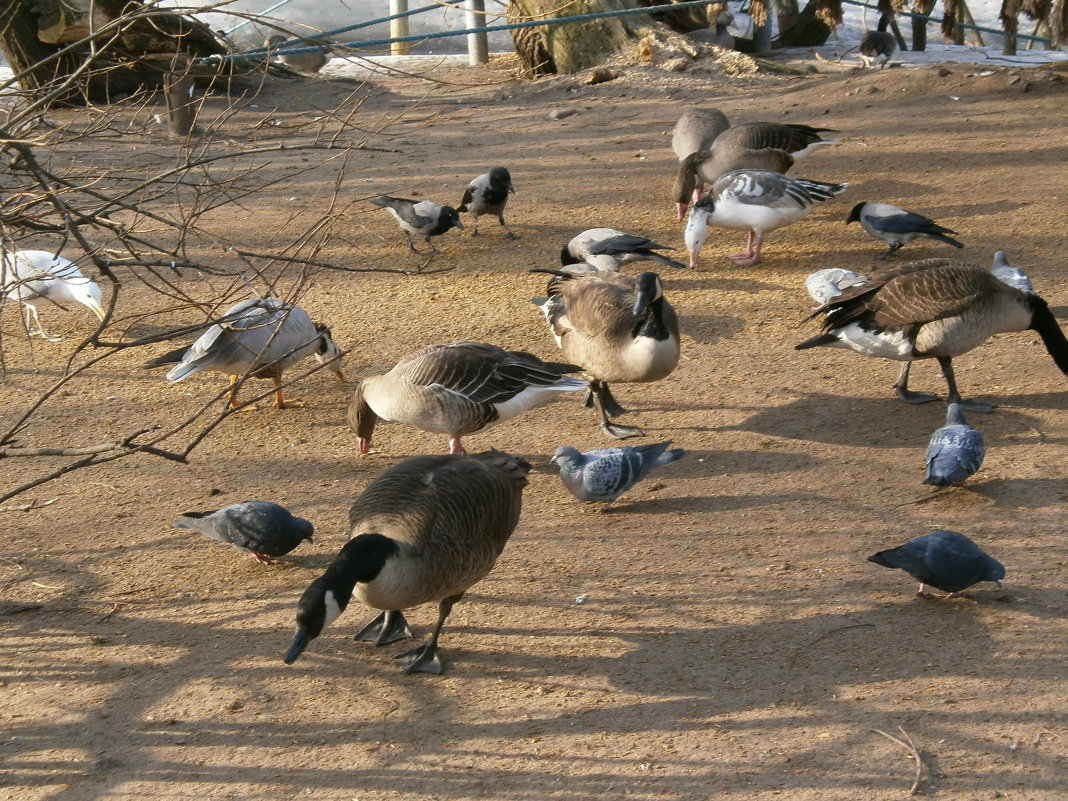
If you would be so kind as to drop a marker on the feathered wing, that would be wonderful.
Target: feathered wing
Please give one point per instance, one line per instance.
(407, 210)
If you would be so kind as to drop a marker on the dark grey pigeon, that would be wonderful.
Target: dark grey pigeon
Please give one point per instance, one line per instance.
(1013, 276)
(944, 559)
(955, 451)
(423, 218)
(261, 528)
(604, 474)
(898, 227)
(488, 194)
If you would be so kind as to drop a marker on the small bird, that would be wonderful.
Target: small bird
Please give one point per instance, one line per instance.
(619, 328)
(898, 227)
(875, 45)
(420, 217)
(488, 194)
(312, 61)
(773, 146)
(933, 309)
(946, 560)
(759, 201)
(604, 474)
(1013, 276)
(257, 337)
(262, 529)
(457, 389)
(425, 530)
(40, 277)
(823, 285)
(955, 451)
(607, 249)
(716, 33)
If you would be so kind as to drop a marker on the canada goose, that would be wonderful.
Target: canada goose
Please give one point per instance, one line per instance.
(604, 474)
(823, 285)
(944, 559)
(305, 62)
(420, 217)
(696, 130)
(262, 529)
(257, 337)
(755, 200)
(457, 389)
(620, 329)
(607, 249)
(39, 277)
(1013, 276)
(424, 530)
(488, 194)
(897, 227)
(770, 146)
(955, 451)
(933, 309)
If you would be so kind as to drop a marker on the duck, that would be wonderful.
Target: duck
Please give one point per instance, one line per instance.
(39, 277)
(934, 309)
(897, 227)
(488, 194)
(423, 218)
(607, 249)
(458, 389)
(696, 129)
(604, 474)
(769, 146)
(261, 337)
(312, 61)
(946, 560)
(618, 328)
(955, 451)
(262, 529)
(423, 531)
(759, 201)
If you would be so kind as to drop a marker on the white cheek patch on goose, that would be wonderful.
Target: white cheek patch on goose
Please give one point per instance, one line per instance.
(333, 608)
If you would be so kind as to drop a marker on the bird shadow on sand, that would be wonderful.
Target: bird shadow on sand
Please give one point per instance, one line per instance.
(709, 329)
(1021, 493)
(701, 503)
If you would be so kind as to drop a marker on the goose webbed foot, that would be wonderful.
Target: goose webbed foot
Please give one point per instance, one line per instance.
(976, 406)
(621, 432)
(887, 253)
(909, 396)
(386, 628)
(423, 659)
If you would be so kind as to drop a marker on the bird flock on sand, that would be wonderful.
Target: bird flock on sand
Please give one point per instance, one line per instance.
(430, 527)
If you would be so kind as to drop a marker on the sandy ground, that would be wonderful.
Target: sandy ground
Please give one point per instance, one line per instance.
(734, 643)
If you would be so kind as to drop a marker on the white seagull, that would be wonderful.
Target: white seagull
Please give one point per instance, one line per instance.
(39, 277)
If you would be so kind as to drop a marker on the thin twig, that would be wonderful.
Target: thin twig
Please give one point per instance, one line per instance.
(914, 752)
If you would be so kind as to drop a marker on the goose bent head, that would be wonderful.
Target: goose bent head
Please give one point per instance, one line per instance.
(362, 418)
(696, 232)
(329, 353)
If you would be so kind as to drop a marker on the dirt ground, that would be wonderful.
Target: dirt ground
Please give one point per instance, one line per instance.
(734, 641)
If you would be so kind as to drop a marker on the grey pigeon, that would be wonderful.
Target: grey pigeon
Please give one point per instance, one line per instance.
(898, 227)
(263, 529)
(423, 218)
(944, 559)
(488, 194)
(823, 285)
(1013, 276)
(955, 451)
(604, 474)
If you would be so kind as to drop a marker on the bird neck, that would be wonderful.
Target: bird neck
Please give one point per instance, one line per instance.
(362, 417)
(652, 325)
(360, 561)
(1043, 322)
(566, 257)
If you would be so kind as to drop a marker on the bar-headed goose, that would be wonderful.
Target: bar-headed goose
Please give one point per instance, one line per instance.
(758, 201)
(41, 278)
(770, 146)
(488, 194)
(425, 530)
(457, 389)
(257, 337)
(934, 309)
(619, 328)
(898, 227)
(607, 249)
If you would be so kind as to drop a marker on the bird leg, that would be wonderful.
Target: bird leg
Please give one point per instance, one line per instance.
(954, 395)
(388, 627)
(893, 249)
(263, 559)
(432, 246)
(507, 231)
(456, 446)
(424, 659)
(232, 402)
(752, 255)
(603, 402)
(279, 401)
(411, 245)
(901, 387)
(38, 328)
(923, 592)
